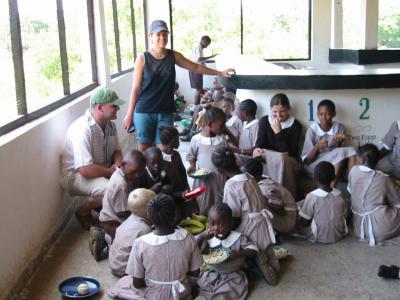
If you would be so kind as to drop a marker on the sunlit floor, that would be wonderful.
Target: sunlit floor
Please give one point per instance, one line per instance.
(346, 270)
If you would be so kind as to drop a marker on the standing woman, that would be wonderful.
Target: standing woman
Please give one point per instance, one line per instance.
(151, 104)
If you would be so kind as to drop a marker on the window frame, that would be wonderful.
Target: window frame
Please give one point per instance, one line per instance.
(117, 40)
(241, 33)
(18, 63)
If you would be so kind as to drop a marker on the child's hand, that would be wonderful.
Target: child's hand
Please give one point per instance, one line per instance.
(339, 137)
(191, 169)
(322, 144)
(276, 126)
(234, 254)
(156, 188)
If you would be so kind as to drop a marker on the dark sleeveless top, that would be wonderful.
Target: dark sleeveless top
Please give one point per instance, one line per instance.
(157, 90)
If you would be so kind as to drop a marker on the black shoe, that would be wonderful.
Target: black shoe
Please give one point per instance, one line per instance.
(188, 137)
(184, 132)
(97, 243)
(389, 272)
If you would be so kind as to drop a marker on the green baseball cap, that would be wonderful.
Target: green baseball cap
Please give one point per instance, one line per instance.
(106, 95)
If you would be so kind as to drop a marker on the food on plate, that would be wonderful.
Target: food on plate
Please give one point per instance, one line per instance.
(215, 256)
(83, 289)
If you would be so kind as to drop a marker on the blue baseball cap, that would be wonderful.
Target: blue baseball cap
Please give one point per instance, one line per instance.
(158, 26)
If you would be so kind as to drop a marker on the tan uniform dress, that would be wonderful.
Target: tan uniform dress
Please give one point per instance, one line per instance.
(125, 235)
(333, 153)
(244, 197)
(226, 280)
(327, 212)
(115, 199)
(285, 222)
(164, 262)
(391, 141)
(375, 202)
(235, 125)
(201, 148)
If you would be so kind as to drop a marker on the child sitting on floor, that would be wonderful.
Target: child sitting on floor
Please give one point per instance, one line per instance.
(159, 175)
(375, 200)
(324, 142)
(160, 261)
(250, 216)
(278, 199)
(323, 212)
(390, 153)
(135, 226)
(115, 209)
(225, 280)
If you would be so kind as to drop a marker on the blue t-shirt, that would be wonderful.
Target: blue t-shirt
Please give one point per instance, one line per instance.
(157, 90)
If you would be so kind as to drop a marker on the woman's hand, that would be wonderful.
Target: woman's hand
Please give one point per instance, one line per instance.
(127, 121)
(276, 126)
(228, 73)
(257, 152)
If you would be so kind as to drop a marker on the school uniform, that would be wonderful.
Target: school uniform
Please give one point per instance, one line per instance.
(125, 235)
(375, 203)
(280, 151)
(226, 280)
(201, 149)
(176, 162)
(391, 141)
(244, 197)
(235, 126)
(327, 212)
(248, 136)
(332, 153)
(285, 222)
(115, 199)
(163, 261)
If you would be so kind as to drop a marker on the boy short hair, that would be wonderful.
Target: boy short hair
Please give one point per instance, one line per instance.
(328, 103)
(249, 106)
(138, 200)
(324, 172)
(206, 38)
(370, 152)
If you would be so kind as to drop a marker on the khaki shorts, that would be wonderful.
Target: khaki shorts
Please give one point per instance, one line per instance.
(78, 185)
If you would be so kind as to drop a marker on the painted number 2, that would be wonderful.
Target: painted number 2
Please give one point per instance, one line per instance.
(364, 101)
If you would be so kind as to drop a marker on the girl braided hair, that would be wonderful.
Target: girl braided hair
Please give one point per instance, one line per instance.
(162, 210)
(224, 158)
(221, 209)
(253, 166)
(213, 114)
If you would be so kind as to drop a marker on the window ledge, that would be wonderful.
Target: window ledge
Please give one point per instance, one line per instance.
(364, 56)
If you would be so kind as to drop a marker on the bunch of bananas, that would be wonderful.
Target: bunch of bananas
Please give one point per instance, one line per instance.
(195, 224)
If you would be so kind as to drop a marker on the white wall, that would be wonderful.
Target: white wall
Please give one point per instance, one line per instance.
(383, 109)
(32, 204)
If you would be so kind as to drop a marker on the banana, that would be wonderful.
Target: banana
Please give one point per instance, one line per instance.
(194, 230)
(200, 218)
(192, 226)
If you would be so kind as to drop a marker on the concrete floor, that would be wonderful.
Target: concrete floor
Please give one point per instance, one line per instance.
(346, 270)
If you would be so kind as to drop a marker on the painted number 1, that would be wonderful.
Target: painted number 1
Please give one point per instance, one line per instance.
(364, 101)
(311, 109)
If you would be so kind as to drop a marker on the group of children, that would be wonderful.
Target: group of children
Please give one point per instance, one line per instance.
(250, 200)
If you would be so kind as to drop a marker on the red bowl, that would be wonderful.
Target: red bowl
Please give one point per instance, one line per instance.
(195, 193)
